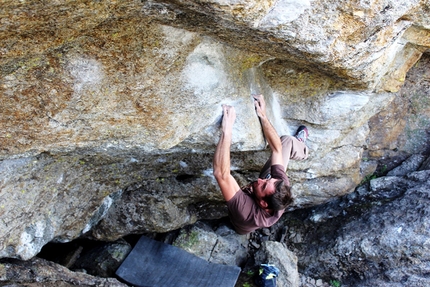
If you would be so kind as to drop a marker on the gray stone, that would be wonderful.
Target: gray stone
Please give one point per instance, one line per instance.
(409, 165)
(387, 187)
(426, 165)
(419, 176)
(223, 246)
(39, 272)
(198, 240)
(231, 249)
(103, 260)
(384, 246)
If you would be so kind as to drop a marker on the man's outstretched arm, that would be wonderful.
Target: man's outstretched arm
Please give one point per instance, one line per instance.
(221, 163)
(269, 131)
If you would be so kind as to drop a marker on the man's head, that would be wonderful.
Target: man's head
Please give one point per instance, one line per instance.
(272, 193)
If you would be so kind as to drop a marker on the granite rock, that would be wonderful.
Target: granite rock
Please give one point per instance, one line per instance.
(110, 110)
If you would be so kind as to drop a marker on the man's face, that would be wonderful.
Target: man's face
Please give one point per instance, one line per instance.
(263, 188)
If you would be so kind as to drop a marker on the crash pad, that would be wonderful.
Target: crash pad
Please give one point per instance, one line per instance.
(155, 264)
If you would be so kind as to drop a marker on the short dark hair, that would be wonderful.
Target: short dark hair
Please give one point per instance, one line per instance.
(281, 198)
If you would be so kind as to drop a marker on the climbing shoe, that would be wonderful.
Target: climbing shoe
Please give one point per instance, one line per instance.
(302, 134)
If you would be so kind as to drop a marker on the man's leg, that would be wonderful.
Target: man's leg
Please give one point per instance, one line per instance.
(292, 148)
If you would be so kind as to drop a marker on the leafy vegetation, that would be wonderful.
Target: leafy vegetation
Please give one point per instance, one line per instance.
(369, 177)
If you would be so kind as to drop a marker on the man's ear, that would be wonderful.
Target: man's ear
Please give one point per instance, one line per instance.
(263, 204)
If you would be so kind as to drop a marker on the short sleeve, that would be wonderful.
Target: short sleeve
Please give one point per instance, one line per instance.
(278, 171)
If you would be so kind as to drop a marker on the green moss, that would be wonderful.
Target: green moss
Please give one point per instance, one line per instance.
(250, 62)
(187, 240)
(33, 62)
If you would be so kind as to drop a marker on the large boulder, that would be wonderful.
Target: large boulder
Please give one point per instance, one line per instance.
(110, 111)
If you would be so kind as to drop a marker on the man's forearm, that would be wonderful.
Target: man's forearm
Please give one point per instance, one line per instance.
(268, 130)
(222, 155)
(271, 135)
(222, 152)
(221, 163)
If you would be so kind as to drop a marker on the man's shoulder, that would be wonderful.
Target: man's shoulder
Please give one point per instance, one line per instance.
(278, 172)
(240, 196)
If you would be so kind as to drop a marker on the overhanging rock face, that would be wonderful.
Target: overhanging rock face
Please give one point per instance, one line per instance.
(368, 44)
(110, 110)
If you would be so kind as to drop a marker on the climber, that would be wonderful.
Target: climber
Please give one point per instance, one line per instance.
(262, 202)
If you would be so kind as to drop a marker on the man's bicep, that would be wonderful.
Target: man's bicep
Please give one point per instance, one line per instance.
(228, 187)
(276, 158)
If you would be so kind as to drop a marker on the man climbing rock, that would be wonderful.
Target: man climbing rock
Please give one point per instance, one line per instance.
(262, 202)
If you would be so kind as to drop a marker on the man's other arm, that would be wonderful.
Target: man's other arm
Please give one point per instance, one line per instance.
(221, 162)
(269, 131)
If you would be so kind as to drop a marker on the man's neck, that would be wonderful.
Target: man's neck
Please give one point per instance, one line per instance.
(269, 211)
(248, 189)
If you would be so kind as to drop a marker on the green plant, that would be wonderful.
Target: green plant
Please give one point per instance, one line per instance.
(246, 284)
(335, 283)
(368, 178)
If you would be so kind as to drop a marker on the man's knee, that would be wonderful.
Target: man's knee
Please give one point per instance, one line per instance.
(286, 140)
(297, 149)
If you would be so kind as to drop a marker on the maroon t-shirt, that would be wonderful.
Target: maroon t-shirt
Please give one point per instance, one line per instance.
(246, 216)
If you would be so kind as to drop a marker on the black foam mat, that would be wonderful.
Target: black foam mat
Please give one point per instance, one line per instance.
(155, 264)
